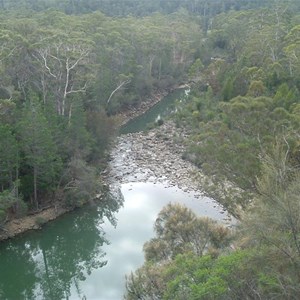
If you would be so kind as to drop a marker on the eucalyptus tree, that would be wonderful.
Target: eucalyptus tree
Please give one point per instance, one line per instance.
(64, 63)
(272, 224)
(115, 57)
(292, 50)
(15, 63)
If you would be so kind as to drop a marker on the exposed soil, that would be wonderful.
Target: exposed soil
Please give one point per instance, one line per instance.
(35, 221)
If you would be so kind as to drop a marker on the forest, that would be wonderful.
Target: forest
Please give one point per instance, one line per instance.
(68, 68)
(63, 77)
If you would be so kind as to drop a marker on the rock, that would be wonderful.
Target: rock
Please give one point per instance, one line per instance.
(152, 153)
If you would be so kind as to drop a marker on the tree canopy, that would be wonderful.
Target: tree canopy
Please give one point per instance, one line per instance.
(63, 78)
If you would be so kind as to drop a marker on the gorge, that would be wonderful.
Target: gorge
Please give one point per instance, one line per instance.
(91, 255)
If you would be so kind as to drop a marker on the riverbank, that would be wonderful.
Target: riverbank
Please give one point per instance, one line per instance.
(31, 222)
(155, 156)
(35, 221)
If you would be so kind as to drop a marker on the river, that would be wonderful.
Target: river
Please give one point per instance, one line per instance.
(160, 110)
(87, 253)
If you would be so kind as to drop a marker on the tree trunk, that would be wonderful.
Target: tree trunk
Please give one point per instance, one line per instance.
(35, 188)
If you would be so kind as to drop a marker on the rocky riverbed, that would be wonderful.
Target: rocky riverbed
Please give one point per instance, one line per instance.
(156, 156)
(153, 156)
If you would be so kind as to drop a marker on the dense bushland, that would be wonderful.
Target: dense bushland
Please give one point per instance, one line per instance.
(62, 80)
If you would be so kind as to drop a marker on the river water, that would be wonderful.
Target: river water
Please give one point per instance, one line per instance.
(87, 253)
(160, 110)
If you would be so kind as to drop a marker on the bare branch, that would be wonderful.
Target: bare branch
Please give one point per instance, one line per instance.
(44, 55)
(117, 88)
(82, 90)
(83, 54)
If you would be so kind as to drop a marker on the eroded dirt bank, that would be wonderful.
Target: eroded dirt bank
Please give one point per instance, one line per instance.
(21, 225)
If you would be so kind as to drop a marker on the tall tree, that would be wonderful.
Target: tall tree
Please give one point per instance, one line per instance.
(64, 60)
(38, 148)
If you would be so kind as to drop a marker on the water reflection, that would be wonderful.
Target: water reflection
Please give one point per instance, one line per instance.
(71, 258)
(143, 201)
(48, 264)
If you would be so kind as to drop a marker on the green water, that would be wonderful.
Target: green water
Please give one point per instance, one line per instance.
(83, 255)
(51, 263)
(159, 110)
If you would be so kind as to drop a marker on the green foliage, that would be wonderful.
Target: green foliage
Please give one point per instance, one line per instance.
(180, 234)
(9, 158)
(195, 68)
(6, 201)
(77, 141)
(277, 206)
(137, 7)
(242, 120)
(227, 139)
(11, 201)
(62, 75)
(179, 230)
(286, 97)
(103, 130)
(227, 91)
(80, 183)
(241, 274)
(38, 148)
(256, 89)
